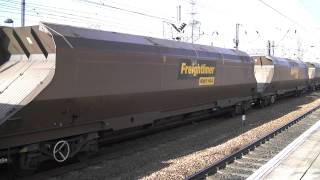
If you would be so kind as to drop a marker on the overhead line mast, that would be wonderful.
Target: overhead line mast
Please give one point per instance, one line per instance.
(23, 9)
(195, 24)
(236, 41)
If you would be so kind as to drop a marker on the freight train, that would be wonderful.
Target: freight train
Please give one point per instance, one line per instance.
(62, 88)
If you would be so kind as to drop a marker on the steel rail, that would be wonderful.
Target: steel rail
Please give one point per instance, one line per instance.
(212, 169)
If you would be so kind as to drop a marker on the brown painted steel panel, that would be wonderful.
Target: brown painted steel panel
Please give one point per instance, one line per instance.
(288, 74)
(109, 78)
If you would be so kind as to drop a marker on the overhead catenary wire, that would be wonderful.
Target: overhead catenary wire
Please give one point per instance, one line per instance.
(93, 19)
(100, 3)
(126, 10)
(37, 7)
(128, 6)
(90, 23)
(283, 15)
(34, 11)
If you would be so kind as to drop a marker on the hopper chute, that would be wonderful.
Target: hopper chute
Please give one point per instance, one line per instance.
(27, 65)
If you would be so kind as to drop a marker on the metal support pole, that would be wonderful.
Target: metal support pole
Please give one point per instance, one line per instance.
(193, 24)
(163, 34)
(237, 36)
(23, 4)
(272, 48)
(243, 122)
(179, 14)
(269, 48)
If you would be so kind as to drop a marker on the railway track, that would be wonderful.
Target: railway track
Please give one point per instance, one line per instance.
(244, 162)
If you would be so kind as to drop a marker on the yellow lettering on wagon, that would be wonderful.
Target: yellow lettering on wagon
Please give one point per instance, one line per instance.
(204, 73)
(206, 81)
(196, 69)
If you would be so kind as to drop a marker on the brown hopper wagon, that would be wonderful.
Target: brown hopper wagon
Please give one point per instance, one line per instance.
(62, 88)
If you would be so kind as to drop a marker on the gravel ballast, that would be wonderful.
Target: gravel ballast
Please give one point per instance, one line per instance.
(244, 167)
(178, 153)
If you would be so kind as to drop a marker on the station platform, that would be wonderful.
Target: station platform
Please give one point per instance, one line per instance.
(299, 160)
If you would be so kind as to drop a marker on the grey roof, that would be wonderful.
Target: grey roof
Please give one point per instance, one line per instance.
(77, 32)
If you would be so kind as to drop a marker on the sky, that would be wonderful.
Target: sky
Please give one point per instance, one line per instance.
(313, 7)
(293, 25)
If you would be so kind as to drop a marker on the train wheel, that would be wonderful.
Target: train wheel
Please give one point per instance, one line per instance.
(29, 161)
(231, 112)
(238, 109)
(24, 164)
(298, 93)
(89, 150)
(261, 103)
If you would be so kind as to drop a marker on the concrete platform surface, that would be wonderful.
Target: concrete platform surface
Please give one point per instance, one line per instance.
(299, 160)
